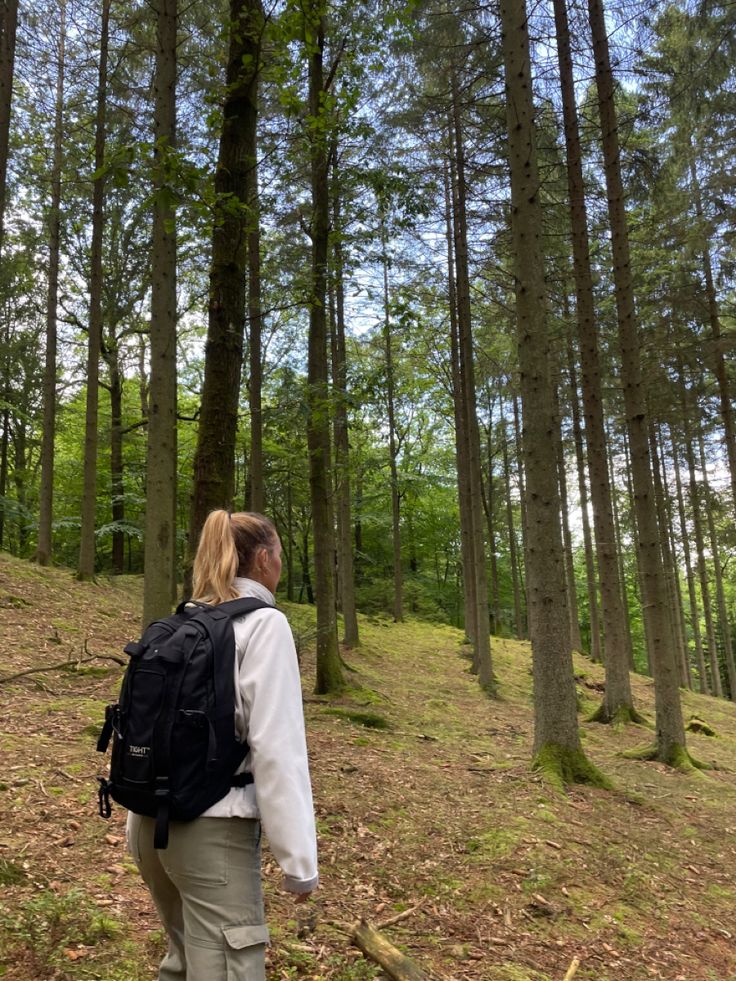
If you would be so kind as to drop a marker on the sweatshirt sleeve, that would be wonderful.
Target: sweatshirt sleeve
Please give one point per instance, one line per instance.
(271, 689)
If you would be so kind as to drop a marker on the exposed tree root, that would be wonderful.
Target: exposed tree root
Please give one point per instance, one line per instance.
(697, 725)
(561, 766)
(623, 716)
(678, 757)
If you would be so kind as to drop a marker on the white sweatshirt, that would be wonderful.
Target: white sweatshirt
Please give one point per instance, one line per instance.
(269, 714)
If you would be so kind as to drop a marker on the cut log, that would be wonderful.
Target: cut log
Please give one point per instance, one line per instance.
(375, 946)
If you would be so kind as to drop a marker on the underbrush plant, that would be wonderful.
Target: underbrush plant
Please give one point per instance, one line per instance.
(48, 925)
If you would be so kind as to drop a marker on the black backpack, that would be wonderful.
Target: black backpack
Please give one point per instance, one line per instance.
(175, 750)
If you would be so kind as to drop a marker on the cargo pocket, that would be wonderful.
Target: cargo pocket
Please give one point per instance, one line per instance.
(245, 952)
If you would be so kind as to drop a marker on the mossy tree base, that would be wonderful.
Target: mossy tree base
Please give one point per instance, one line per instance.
(678, 757)
(561, 766)
(623, 716)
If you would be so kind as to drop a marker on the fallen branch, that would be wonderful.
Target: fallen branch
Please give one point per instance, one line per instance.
(393, 920)
(389, 958)
(62, 666)
(572, 969)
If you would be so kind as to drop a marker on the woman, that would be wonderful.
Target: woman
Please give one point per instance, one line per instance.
(206, 885)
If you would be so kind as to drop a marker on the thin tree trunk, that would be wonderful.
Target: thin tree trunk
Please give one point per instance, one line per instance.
(576, 642)
(669, 561)
(482, 661)
(618, 544)
(715, 551)
(161, 463)
(117, 484)
(685, 538)
(255, 312)
(392, 442)
(489, 504)
(46, 492)
(590, 576)
(670, 740)
(557, 746)
(618, 699)
(86, 568)
(329, 670)
(519, 629)
(346, 571)
(695, 506)
(8, 28)
(719, 362)
(523, 565)
(461, 436)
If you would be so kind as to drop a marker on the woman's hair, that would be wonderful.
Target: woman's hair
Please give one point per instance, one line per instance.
(227, 548)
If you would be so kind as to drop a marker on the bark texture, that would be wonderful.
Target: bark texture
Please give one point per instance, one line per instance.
(669, 723)
(555, 713)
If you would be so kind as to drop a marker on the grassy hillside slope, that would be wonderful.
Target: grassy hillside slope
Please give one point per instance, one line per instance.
(425, 805)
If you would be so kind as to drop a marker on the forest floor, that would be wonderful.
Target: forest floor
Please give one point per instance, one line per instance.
(425, 801)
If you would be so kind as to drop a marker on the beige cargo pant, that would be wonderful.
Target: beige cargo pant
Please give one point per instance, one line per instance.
(206, 886)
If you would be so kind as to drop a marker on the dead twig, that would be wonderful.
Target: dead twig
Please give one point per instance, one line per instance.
(392, 920)
(64, 665)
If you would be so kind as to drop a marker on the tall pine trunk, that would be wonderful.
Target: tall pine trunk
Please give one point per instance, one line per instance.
(715, 551)
(692, 596)
(388, 352)
(557, 749)
(46, 492)
(86, 568)
(461, 437)
(618, 700)
(670, 739)
(590, 574)
(329, 668)
(255, 307)
(8, 29)
(482, 661)
(161, 463)
(214, 462)
(346, 570)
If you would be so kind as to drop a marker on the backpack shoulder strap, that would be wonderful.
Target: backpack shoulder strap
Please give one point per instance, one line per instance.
(238, 607)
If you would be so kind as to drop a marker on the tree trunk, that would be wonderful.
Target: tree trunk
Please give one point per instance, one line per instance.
(346, 571)
(519, 628)
(670, 561)
(255, 312)
(214, 462)
(685, 538)
(117, 485)
(590, 576)
(719, 362)
(8, 28)
(670, 746)
(695, 507)
(618, 701)
(725, 628)
(489, 500)
(557, 747)
(522, 566)
(392, 442)
(86, 568)
(46, 492)
(329, 669)
(461, 436)
(161, 456)
(482, 661)
(576, 642)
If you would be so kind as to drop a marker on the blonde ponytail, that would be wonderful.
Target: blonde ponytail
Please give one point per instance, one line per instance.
(227, 548)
